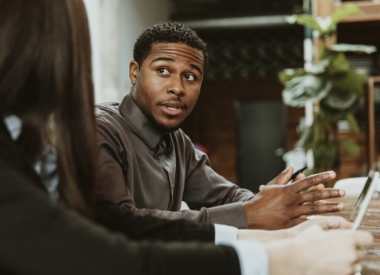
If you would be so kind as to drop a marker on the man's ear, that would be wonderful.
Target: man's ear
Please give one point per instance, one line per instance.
(133, 71)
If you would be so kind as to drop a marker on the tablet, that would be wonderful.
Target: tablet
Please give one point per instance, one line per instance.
(364, 199)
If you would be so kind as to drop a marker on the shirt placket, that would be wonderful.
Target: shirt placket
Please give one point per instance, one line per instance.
(167, 161)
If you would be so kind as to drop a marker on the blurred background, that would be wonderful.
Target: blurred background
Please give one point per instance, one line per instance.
(240, 119)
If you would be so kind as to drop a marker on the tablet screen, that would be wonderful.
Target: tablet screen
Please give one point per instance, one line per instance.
(364, 199)
(361, 196)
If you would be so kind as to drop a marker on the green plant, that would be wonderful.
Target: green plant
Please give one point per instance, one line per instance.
(330, 82)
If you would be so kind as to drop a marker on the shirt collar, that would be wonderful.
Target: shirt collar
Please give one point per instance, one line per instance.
(14, 125)
(144, 128)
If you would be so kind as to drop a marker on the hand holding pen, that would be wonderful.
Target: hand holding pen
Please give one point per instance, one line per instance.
(295, 174)
(284, 179)
(292, 203)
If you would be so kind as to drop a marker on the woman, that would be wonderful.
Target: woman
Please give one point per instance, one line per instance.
(48, 161)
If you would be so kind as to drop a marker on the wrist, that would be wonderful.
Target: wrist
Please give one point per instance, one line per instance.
(250, 214)
(285, 233)
(262, 236)
(281, 260)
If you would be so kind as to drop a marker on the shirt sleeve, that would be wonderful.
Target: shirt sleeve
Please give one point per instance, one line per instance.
(253, 258)
(149, 227)
(211, 197)
(206, 188)
(112, 187)
(225, 235)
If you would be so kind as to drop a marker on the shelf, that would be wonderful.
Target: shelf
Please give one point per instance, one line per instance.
(371, 11)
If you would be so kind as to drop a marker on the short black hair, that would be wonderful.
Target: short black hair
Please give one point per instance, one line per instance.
(167, 32)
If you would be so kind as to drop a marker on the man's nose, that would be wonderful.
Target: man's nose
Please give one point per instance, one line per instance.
(176, 86)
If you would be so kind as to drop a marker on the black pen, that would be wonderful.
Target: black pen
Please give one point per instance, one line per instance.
(296, 173)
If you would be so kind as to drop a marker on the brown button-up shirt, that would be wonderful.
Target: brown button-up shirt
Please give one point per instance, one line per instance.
(152, 172)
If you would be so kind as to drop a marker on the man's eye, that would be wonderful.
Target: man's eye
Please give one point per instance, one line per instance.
(163, 71)
(189, 77)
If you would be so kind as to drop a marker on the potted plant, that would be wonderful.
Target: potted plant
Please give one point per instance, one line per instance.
(332, 85)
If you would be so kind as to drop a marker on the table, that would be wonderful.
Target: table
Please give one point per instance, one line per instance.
(371, 222)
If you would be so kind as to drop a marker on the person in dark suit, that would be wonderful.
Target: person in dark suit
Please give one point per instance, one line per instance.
(48, 165)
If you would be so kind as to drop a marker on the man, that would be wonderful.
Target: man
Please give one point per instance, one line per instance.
(150, 166)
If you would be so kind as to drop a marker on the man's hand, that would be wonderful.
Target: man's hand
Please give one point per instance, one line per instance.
(325, 222)
(264, 236)
(279, 206)
(315, 252)
(285, 176)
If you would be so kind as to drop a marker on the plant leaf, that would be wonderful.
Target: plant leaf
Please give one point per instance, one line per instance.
(304, 20)
(353, 123)
(324, 155)
(288, 74)
(330, 115)
(324, 22)
(346, 11)
(350, 147)
(337, 16)
(303, 88)
(340, 100)
(325, 26)
(339, 64)
(367, 49)
(318, 67)
(352, 81)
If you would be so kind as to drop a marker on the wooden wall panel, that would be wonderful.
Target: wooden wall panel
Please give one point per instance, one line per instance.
(214, 123)
(293, 116)
(349, 166)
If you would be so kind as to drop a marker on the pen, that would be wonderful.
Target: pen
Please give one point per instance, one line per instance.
(296, 173)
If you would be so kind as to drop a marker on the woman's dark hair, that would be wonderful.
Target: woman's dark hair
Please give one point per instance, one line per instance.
(45, 75)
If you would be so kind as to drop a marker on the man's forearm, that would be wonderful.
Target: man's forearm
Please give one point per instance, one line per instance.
(262, 236)
(139, 224)
(230, 214)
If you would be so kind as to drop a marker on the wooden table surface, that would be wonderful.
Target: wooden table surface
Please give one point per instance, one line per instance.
(371, 222)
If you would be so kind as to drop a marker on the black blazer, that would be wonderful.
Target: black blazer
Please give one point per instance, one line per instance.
(38, 236)
(148, 227)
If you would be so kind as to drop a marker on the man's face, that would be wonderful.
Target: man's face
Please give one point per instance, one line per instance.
(167, 85)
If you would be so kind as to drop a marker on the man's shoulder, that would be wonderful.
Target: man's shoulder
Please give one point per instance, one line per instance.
(108, 117)
(108, 113)
(106, 108)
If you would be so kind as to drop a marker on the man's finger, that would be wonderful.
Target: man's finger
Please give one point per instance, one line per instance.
(313, 209)
(299, 177)
(283, 177)
(319, 186)
(360, 255)
(312, 180)
(315, 202)
(331, 222)
(317, 194)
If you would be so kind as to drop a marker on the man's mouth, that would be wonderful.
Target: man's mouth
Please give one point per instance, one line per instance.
(173, 108)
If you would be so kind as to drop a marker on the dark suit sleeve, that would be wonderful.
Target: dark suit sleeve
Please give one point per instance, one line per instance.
(140, 227)
(38, 236)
